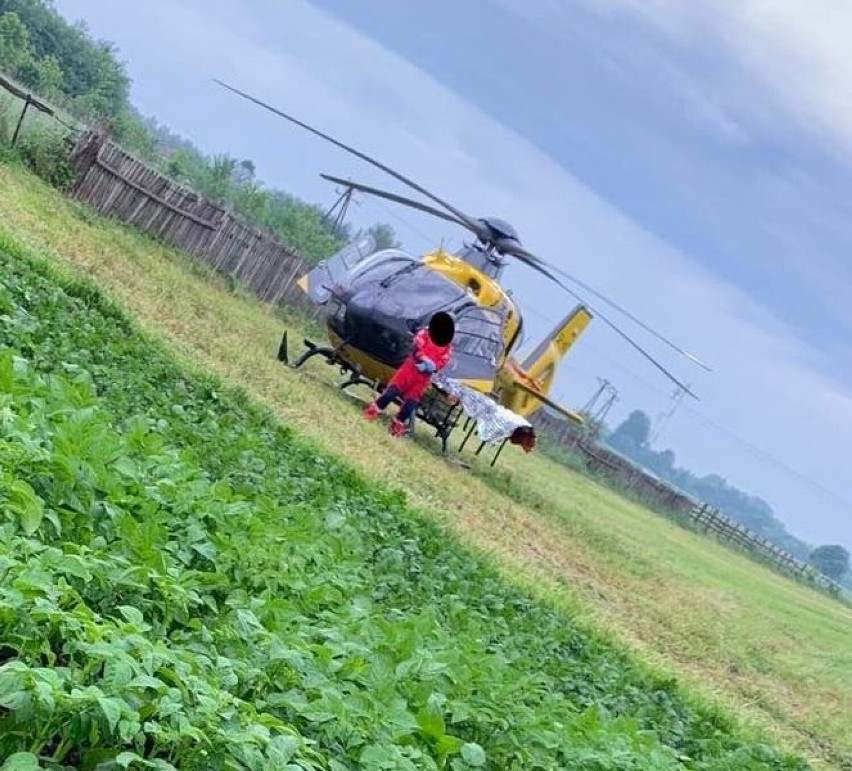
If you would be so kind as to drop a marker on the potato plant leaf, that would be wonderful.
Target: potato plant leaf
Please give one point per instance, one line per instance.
(28, 507)
(21, 761)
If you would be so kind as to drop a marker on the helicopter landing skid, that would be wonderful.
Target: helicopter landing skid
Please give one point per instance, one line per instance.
(311, 349)
(356, 378)
(440, 416)
(331, 357)
(327, 353)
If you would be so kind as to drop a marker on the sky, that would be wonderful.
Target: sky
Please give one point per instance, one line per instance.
(689, 159)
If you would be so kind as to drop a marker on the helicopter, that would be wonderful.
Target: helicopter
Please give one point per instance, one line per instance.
(375, 300)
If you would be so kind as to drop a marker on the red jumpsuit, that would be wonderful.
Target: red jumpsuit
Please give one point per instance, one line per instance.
(408, 382)
(411, 383)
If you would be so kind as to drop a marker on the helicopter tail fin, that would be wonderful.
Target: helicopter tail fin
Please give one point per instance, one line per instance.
(542, 362)
(526, 386)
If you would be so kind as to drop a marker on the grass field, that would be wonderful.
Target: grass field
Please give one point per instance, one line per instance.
(774, 651)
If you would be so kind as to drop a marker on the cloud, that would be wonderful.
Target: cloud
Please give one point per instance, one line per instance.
(797, 54)
(731, 144)
(306, 61)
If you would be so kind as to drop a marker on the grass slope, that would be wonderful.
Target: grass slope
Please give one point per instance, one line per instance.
(774, 650)
(189, 585)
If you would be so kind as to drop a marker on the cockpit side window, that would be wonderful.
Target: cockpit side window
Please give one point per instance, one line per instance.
(478, 342)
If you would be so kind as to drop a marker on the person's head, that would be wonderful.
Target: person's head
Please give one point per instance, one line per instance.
(442, 328)
(525, 437)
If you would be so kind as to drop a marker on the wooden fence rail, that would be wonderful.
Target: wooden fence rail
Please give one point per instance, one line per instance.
(708, 519)
(121, 186)
(29, 101)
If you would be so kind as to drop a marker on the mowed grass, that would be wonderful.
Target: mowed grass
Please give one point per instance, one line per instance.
(255, 604)
(776, 652)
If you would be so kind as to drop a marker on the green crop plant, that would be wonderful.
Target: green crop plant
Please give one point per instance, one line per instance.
(185, 583)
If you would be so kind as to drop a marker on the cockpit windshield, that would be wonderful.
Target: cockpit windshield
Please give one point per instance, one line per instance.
(392, 295)
(353, 261)
(416, 292)
(478, 343)
(381, 265)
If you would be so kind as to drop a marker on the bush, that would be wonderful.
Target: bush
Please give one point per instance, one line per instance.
(46, 151)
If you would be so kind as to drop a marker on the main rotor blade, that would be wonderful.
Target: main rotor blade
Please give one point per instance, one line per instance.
(528, 258)
(468, 222)
(520, 252)
(463, 219)
(525, 256)
(636, 345)
(542, 267)
(632, 342)
(395, 198)
(516, 250)
(633, 318)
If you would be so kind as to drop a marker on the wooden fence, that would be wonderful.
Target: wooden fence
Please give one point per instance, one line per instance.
(29, 101)
(712, 520)
(600, 459)
(119, 185)
(704, 517)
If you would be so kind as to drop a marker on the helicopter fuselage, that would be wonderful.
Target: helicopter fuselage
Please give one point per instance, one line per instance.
(373, 320)
(472, 270)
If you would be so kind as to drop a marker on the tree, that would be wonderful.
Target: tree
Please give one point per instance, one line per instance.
(15, 50)
(134, 137)
(92, 77)
(217, 183)
(244, 173)
(384, 235)
(48, 77)
(662, 463)
(632, 438)
(832, 561)
(633, 433)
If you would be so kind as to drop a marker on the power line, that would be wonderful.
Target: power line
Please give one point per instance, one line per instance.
(593, 399)
(665, 417)
(427, 238)
(751, 448)
(341, 206)
(347, 198)
(607, 394)
(780, 464)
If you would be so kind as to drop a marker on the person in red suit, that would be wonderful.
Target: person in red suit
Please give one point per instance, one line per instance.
(431, 352)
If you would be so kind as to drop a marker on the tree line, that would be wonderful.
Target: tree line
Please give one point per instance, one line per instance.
(63, 63)
(632, 439)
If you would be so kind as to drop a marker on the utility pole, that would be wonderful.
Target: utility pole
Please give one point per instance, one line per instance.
(664, 417)
(341, 206)
(609, 401)
(606, 395)
(590, 405)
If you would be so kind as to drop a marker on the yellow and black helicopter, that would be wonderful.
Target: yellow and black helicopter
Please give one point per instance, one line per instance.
(376, 300)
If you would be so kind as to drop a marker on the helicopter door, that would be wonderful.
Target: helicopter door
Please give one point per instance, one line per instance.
(477, 345)
(334, 272)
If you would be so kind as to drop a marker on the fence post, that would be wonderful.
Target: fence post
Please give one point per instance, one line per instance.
(27, 103)
(85, 152)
